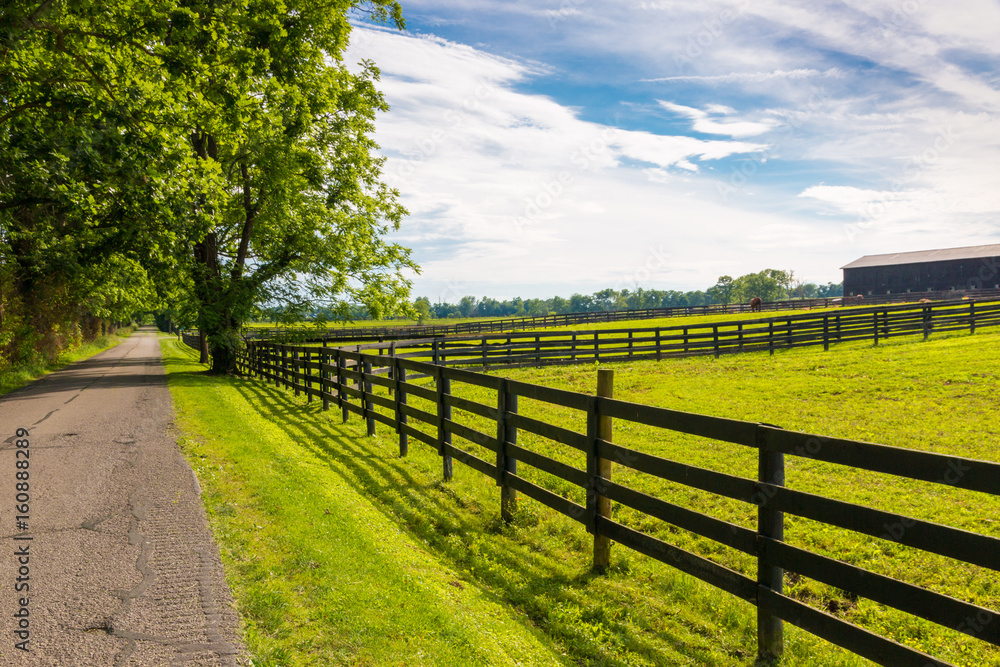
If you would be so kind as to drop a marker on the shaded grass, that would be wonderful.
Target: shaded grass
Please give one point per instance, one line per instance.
(15, 377)
(323, 575)
(938, 396)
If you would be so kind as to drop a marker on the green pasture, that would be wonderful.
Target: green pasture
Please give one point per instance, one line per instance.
(938, 396)
(675, 321)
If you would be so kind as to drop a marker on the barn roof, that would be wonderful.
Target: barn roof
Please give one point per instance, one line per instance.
(969, 252)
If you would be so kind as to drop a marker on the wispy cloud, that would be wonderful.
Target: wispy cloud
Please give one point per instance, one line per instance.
(752, 77)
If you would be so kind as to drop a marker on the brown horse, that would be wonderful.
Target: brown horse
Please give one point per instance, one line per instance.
(755, 304)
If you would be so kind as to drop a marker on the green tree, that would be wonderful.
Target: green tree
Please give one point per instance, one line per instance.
(762, 284)
(724, 288)
(422, 307)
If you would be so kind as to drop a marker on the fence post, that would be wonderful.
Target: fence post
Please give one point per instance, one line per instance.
(927, 321)
(404, 438)
(770, 337)
(597, 348)
(296, 371)
(284, 366)
(685, 340)
(739, 329)
(435, 355)
(597, 468)
(659, 342)
(324, 377)
(826, 333)
(506, 432)
(770, 524)
(972, 317)
(309, 382)
(875, 320)
(715, 339)
(341, 380)
(366, 402)
(444, 413)
(392, 366)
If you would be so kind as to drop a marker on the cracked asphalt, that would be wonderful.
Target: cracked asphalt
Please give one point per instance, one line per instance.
(121, 569)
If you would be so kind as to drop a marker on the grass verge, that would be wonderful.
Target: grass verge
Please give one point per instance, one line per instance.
(323, 573)
(15, 377)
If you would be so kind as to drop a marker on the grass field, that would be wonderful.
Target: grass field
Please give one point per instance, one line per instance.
(678, 320)
(939, 396)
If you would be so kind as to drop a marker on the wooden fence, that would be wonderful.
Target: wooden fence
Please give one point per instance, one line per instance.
(380, 389)
(728, 337)
(570, 319)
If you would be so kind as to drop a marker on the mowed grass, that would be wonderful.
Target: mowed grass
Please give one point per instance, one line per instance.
(324, 573)
(938, 396)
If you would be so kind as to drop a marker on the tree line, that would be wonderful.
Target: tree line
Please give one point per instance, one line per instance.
(206, 158)
(769, 285)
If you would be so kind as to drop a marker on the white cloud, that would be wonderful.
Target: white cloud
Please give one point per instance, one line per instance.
(872, 111)
(706, 124)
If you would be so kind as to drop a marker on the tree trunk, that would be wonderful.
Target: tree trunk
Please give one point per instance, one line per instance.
(203, 347)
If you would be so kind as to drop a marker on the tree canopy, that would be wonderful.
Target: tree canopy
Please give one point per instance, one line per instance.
(216, 155)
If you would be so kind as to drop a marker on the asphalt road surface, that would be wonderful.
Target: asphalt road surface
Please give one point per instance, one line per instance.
(120, 568)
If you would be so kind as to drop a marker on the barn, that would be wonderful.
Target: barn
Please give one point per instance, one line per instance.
(959, 269)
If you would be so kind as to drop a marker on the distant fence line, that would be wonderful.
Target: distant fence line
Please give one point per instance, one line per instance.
(434, 414)
(568, 319)
(729, 337)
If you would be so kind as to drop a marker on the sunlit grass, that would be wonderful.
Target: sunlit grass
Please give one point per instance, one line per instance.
(938, 396)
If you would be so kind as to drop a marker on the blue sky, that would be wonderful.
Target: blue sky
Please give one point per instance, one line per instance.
(563, 146)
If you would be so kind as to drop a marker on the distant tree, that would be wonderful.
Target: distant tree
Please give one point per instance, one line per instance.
(830, 290)
(467, 306)
(724, 288)
(763, 284)
(422, 305)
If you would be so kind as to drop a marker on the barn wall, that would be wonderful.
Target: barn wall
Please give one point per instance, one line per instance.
(957, 274)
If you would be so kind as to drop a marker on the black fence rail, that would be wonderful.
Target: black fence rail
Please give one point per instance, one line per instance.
(551, 321)
(380, 389)
(540, 348)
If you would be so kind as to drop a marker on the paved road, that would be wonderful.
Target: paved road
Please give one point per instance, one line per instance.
(122, 568)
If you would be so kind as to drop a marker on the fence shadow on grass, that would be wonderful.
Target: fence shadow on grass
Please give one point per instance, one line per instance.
(539, 588)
